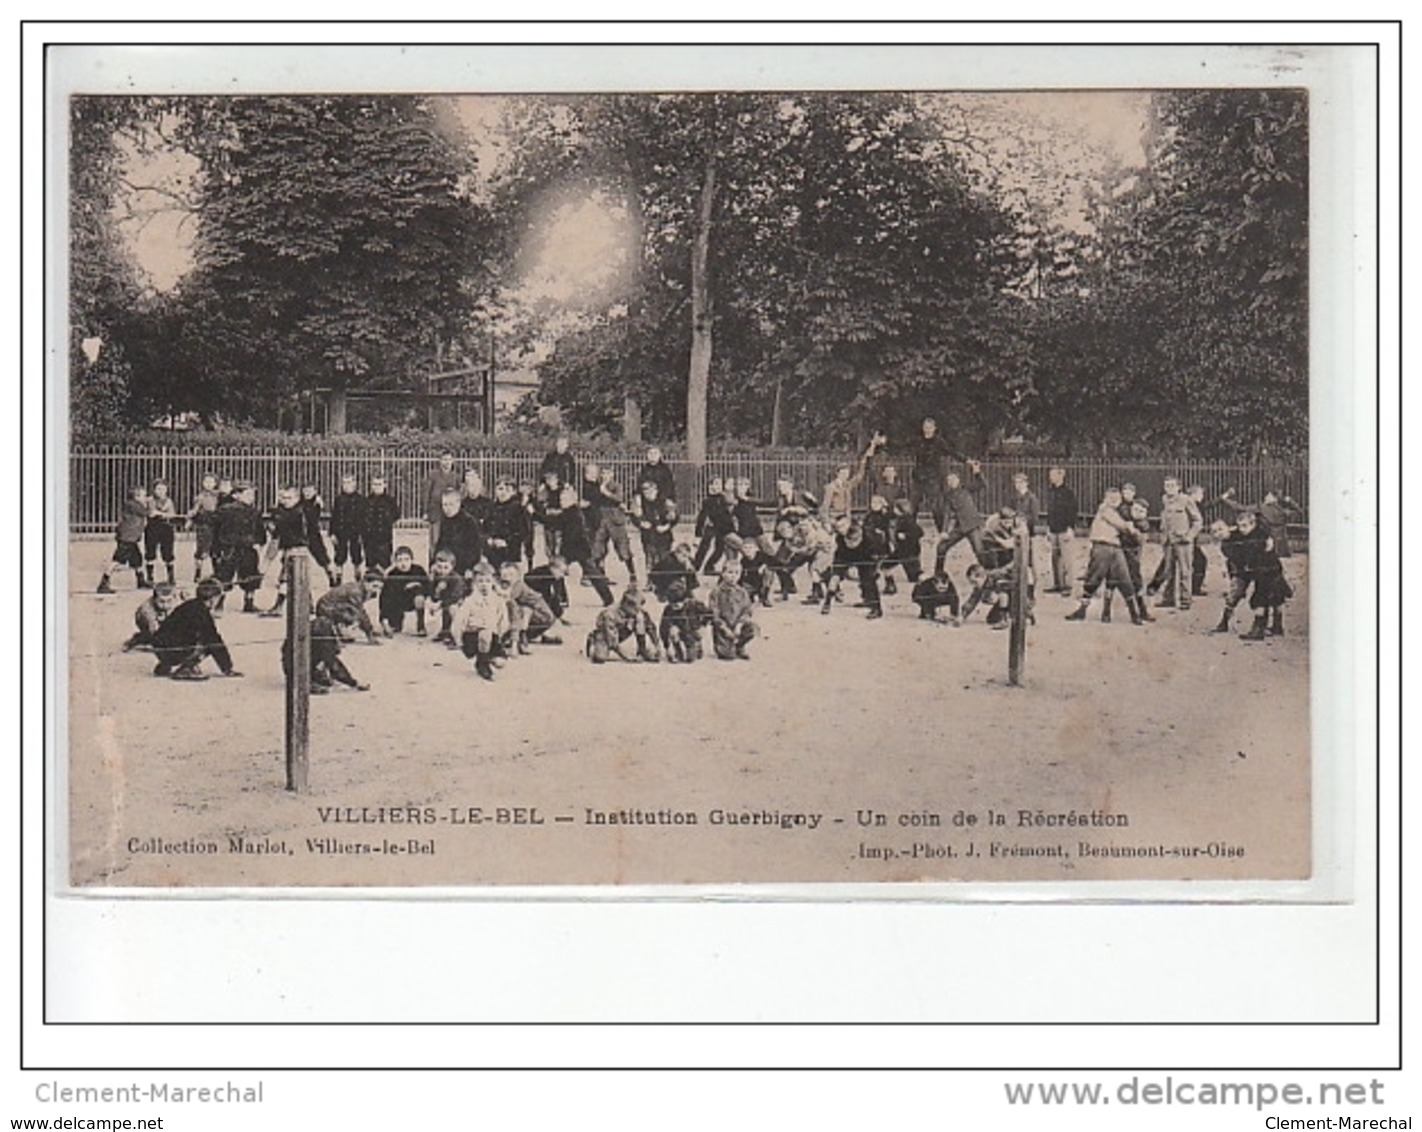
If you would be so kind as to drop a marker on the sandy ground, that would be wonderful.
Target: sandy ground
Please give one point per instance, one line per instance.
(844, 751)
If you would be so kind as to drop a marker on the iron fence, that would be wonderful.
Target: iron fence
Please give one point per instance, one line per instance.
(101, 477)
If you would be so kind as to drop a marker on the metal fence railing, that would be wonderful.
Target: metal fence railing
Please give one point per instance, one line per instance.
(100, 478)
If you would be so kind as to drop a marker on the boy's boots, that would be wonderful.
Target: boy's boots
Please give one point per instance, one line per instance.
(890, 586)
(1138, 613)
(1079, 613)
(420, 622)
(521, 643)
(168, 566)
(1225, 618)
(275, 610)
(105, 586)
(1256, 632)
(817, 594)
(828, 600)
(333, 575)
(1276, 624)
(1106, 609)
(249, 601)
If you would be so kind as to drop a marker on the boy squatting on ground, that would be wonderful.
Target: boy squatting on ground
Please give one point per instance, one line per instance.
(482, 622)
(616, 624)
(327, 668)
(530, 616)
(732, 627)
(188, 635)
(448, 589)
(406, 589)
(151, 613)
(345, 604)
(683, 618)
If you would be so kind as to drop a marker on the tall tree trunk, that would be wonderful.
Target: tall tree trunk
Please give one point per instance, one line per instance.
(698, 380)
(777, 415)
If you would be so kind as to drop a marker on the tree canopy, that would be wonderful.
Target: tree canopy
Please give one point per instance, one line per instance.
(795, 268)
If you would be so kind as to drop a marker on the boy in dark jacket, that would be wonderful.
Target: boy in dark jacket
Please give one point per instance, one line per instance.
(327, 668)
(678, 566)
(905, 545)
(188, 635)
(345, 604)
(503, 536)
(405, 590)
(382, 512)
(311, 508)
(447, 589)
(1062, 508)
(237, 531)
(348, 529)
(289, 529)
(549, 581)
(573, 538)
(878, 525)
(682, 621)
(933, 593)
(1260, 564)
(714, 522)
(655, 517)
(965, 521)
(460, 534)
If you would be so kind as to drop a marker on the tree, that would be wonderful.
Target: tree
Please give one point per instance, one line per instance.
(825, 253)
(337, 245)
(1185, 327)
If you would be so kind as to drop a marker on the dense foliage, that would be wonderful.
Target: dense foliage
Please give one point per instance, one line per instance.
(801, 268)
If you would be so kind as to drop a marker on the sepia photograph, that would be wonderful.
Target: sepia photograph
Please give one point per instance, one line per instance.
(730, 487)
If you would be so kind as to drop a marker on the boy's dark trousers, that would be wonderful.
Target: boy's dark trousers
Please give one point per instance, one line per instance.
(975, 540)
(349, 546)
(929, 604)
(158, 540)
(188, 657)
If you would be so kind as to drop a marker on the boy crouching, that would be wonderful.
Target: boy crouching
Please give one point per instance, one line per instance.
(616, 624)
(482, 622)
(683, 618)
(732, 628)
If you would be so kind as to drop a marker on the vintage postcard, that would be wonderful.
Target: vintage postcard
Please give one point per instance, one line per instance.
(757, 485)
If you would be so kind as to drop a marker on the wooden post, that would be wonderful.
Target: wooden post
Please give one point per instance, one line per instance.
(298, 677)
(1018, 605)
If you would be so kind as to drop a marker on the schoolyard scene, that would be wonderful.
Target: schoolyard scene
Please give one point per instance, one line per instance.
(724, 488)
(1193, 724)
